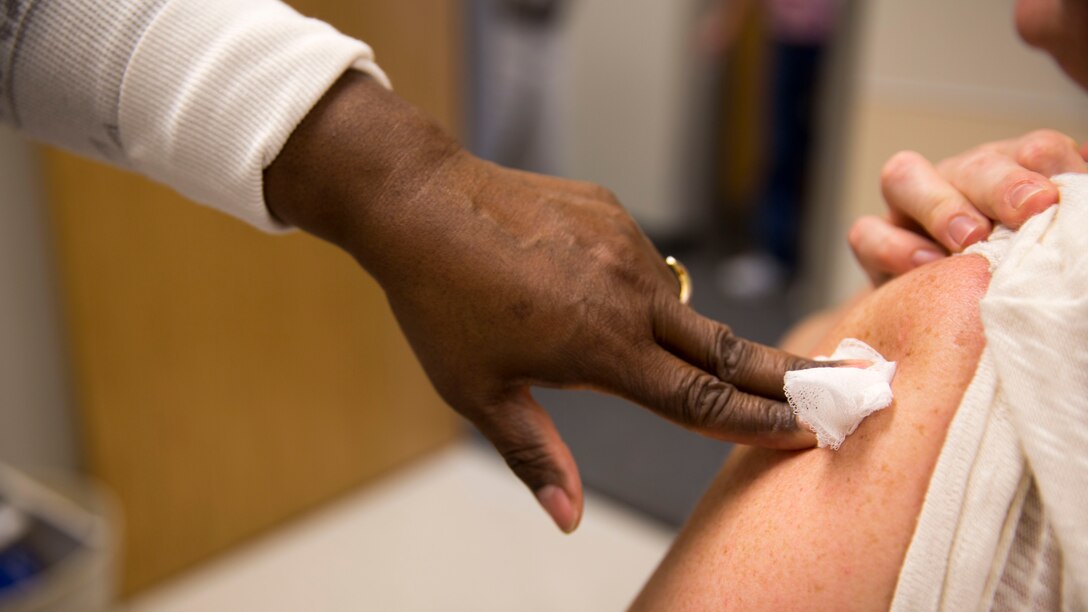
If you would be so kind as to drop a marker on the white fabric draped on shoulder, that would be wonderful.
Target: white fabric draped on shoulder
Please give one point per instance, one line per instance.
(1004, 524)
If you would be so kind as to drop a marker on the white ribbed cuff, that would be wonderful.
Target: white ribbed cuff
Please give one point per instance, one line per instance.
(215, 88)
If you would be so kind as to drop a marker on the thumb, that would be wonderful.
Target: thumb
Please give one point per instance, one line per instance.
(525, 436)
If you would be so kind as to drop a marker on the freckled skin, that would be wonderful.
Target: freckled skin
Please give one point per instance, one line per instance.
(821, 529)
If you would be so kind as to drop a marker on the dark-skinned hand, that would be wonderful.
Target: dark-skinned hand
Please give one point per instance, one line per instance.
(503, 280)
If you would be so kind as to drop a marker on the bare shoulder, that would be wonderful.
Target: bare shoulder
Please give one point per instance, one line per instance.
(819, 529)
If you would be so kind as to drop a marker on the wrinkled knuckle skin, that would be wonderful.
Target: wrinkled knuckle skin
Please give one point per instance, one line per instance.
(1056, 139)
(731, 352)
(708, 404)
(1042, 147)
(779, 420)
(714, 406)
(620, 262)
(975, 162)
(940, 214)
(531, 463)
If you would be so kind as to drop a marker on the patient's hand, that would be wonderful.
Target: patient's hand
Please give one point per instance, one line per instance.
(936, 210)
(828, 530)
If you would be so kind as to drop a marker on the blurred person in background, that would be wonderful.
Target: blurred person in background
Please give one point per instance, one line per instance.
(516, 91)
(798, 35)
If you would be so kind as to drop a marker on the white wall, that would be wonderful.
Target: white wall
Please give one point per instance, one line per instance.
(627, 104)
(35, 428)
(940, 77)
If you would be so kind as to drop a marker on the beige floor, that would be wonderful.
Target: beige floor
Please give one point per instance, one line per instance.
(455, 532)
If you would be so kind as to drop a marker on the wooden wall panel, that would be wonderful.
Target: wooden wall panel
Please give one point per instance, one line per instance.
(227, 380)
(417, 42)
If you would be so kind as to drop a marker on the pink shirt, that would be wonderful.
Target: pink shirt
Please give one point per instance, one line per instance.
(803, 21)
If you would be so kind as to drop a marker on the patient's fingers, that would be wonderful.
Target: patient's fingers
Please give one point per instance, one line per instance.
(916, 192)
(1007, 181)
(886, 251)
(1000, 188)
(1047, 152)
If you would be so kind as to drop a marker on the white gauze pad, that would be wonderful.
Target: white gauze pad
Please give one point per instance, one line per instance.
(833, 401)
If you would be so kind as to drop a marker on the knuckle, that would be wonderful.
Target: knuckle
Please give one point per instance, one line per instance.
(730, 353)
(1054, 137)
(623, 222)
(714, 406)
(1043, 147)
(944, 207)
(971, 163)
(618, 259)
(622, 262)
(708, 403)
(974, 162)
(530, 462)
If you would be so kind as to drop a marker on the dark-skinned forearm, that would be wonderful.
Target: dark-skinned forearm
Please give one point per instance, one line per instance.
(352, 168)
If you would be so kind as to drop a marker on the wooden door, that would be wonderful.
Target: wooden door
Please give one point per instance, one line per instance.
(227, 380)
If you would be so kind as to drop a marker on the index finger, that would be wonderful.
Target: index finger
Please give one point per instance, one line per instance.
(700, 401)
(715, 349)
(999, 187)
(1047, 152)
(1009, 180)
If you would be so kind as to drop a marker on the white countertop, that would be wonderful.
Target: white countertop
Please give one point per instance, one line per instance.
(455, 531)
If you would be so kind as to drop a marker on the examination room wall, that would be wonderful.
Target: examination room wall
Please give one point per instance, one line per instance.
(35, 423)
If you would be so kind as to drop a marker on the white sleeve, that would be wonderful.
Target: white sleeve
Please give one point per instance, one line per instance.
(198, 94)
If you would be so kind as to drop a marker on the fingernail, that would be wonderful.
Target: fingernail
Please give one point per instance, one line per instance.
(963, 229)
(1022, 193)
(855, 363)
(923, 256)
(558, 506)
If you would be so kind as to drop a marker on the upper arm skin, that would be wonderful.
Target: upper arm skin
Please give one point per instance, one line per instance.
(822, 529)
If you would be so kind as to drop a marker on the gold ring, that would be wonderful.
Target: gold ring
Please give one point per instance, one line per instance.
(682, 277)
